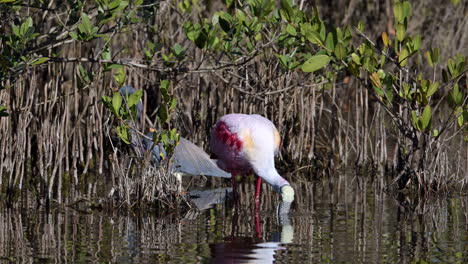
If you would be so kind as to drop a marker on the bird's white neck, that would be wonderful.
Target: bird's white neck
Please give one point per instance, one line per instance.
(272, 176)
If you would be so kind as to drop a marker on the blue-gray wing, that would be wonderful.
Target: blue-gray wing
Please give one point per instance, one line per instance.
(191, 159)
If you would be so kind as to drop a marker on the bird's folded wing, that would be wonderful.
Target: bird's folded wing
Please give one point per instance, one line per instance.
(191, 159)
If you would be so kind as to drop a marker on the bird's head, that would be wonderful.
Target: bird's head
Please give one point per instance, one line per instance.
(287, 193)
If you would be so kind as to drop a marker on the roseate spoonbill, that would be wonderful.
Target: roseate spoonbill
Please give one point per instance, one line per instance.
(188, 158)
(246, 143)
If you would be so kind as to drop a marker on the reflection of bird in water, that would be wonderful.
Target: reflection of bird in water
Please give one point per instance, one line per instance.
(206, 199)
(188, 158)
(250, 250)
(246, 143)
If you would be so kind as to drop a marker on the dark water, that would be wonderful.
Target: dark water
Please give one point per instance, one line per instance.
(345, 221)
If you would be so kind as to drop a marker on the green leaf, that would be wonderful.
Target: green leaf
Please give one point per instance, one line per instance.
(173, 104)
(417, 42)
(178, 51)
(356, 58)
(398, 11)
(73, 35)
(106, 54)
(379, 92)
(286, 11)
(435, 133)
(165, 138)
(120, 76)
(406, 8)
(452, 67)
(428, 56)
(406, 90)
(16, 30)
(432, 56)
(435, 55)
(339, 34)
(400, 31)
(291, 30)
(40, 60)
(465, 119)
(314, 37)
(424, 85)
(86, 22)
(457, 96)
(107, 101)
(340, 51)
(426, 117)
(432, 89)
(369, 63)
(381, 73)
(163, 115)
(461, 117)
(29, 22)
(389, 96)
(116, 103)
(164, 89)
(315, 63)
(185, 6)
(283, 61)
(122, 131)
(192, 30)
(84, 74)
(330, 42)
(403, 57)
(3, 111)
(174, 136)
(134, 98)
(164, 84)
(25, 26)
(360, 26)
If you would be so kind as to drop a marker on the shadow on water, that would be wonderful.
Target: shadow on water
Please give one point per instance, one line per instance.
(339, 220)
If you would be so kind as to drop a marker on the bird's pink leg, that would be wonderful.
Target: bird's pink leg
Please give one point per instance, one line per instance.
(258, 226)
(258, 188)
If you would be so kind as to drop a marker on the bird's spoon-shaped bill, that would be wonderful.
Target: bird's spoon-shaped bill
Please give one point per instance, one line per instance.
(287, 193)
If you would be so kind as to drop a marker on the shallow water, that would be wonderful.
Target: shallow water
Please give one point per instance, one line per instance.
(330, 222)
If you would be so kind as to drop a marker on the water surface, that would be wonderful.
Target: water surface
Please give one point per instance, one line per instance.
(340, 221)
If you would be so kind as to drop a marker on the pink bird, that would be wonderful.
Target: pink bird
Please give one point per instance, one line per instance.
(249, 143)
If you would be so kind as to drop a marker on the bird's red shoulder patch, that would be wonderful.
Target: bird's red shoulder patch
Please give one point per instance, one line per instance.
(227, 137)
